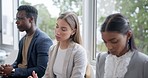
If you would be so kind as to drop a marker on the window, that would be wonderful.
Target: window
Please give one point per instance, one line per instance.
(47, 16)
(7, 23)
(89, 26)
(137, 13)
(9, 40)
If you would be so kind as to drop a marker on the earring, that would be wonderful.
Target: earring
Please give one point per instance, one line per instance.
(71, 36)
(128, 43)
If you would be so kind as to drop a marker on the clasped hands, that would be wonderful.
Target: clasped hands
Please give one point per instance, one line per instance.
(5, 70)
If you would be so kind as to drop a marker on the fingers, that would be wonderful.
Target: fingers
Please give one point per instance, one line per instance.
(5, 69)
(1, 70)
(34, 74)
(5, 65)
(30, 77)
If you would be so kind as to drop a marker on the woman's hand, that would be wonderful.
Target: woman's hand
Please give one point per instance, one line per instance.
(34, 75)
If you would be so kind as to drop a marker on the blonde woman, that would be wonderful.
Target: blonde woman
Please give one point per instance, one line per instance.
(67, 59)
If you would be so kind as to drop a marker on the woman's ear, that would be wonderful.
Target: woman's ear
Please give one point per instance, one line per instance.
(73, 32)
(129, 34)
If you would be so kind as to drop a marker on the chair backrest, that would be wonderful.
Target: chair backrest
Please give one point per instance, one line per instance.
(89, 71)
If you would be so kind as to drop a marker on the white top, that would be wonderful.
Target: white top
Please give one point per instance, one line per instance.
(116, 67)
(58, 65)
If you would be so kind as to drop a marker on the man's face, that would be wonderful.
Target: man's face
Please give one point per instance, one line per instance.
(23, 23)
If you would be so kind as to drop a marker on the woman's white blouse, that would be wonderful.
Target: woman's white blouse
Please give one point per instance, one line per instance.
(116, 67)
(59, 61)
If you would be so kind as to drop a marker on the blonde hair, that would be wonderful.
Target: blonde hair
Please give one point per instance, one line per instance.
(72, 19)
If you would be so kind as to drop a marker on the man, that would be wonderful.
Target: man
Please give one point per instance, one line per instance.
(33, 47)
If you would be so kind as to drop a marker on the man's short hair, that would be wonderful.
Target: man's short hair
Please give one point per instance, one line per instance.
(30, 11)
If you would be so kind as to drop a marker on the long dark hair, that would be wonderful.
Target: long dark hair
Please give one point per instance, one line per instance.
(118, 23)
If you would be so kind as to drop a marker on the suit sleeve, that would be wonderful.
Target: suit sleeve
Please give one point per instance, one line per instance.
(80, 63)
(38, 57)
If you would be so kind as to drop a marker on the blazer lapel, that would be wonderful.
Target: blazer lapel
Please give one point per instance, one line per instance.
(31, 44)
(52, 57)
(132, 63)
(67, 58)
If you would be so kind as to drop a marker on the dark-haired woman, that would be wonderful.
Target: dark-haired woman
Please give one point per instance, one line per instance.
(122, 60)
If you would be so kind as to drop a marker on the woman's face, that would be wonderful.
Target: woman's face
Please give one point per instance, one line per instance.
(63, 31)
(115, 42)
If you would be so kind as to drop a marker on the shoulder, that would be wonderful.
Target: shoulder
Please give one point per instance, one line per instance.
(40, 34)
(77, 50)
(78, 47)
(141, 56)
(102, 55)
(52, 47)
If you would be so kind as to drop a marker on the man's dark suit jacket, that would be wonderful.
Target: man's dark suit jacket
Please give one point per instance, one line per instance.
(37, 56)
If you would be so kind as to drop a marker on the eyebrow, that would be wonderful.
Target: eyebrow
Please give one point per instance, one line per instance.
(109, 39)
(112, 39)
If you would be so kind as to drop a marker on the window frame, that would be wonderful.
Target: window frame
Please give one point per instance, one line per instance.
(15, 34)
(89, 28)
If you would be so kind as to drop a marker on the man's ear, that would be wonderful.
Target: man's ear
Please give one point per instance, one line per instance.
(31, 19)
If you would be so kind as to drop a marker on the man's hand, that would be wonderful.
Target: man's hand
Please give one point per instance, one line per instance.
(1, 71)
(7, 69)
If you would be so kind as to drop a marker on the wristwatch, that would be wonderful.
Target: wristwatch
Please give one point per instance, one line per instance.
(13, 70)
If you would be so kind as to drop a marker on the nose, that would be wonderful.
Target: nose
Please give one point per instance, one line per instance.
(109, 46)
(17, 22)
(57, 31)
